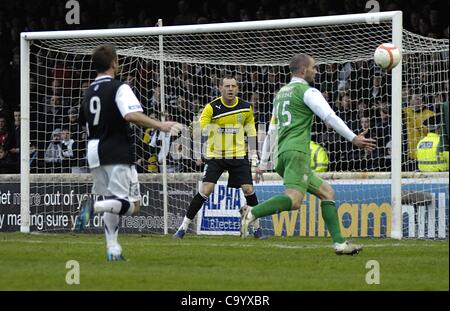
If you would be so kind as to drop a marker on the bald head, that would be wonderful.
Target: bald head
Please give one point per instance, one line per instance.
(299, 62)
(303, 66)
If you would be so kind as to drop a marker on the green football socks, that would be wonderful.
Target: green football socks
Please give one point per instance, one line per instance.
(276, 204)
(280, 203)
(330, 216)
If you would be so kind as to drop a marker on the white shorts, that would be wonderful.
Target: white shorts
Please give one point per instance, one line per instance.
(120, 180)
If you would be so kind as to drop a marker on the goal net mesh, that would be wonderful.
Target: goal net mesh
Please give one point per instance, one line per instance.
(193, 63)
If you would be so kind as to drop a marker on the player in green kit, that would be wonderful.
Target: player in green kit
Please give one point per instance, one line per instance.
(294, 109)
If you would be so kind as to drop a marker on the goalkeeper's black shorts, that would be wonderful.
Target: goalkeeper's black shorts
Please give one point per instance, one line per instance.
(238, 169)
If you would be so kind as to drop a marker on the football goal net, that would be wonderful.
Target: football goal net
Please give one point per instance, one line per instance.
(175, 72)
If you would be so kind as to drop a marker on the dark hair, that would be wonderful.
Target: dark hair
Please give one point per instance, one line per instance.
(103, 57)
(298, 62)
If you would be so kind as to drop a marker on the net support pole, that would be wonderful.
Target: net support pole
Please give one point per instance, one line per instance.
(163, 118)
(396, 159)
(24, 135)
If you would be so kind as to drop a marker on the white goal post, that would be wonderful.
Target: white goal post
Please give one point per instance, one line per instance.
(157, 44)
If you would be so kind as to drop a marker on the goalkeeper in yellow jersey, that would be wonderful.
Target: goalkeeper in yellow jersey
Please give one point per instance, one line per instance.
(294, 109)
(226, 121)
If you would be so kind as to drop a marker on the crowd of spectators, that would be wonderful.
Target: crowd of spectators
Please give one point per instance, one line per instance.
(358, 92)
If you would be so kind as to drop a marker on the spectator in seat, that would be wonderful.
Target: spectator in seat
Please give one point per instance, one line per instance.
(77, 134)
(154, 103)
(57, 89)
(55, 113)
(7, 163)
(173, 161)
(53, 154)
(362, 109)
(258, 109)
(346, 111)
(84, 87)
(214, 89)
(344, 73)
(385, 161)
(342, 148)
(383, 131)
(365, 159)
(15, 147)
(33, 159)
(6, 139)
(131, 81)
(67, 144)
(376, 90)
(150, 162)
(405, 97)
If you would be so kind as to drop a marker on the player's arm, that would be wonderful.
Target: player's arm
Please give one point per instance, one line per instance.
(205, 127)
(317, 103)
(139, 118)
(250, 130)
(205, 122)
(267, 149)
(269, 142)
(131, 111)
(205, 119)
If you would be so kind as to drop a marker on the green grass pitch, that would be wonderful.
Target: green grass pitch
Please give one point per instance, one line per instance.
(38, 262)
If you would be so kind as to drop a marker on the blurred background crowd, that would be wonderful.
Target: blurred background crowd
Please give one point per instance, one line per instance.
(358, 92)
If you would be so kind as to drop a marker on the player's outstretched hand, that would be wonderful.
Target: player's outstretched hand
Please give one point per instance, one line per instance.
(171, 127)
(364, 143)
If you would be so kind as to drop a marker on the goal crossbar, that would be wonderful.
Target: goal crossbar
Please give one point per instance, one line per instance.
(214, 27)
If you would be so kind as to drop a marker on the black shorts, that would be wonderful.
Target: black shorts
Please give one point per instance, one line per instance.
(238, 169)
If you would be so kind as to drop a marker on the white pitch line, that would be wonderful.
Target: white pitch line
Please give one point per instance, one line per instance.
(330, 246)
(235, 244)
(50, 242)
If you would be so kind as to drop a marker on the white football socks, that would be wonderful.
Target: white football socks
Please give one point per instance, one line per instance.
(256, 224)
(185, 224)
(111, 232)
(250, 216)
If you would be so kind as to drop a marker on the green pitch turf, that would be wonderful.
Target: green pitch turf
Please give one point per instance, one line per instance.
(38, 262)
